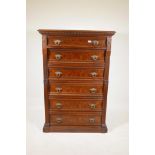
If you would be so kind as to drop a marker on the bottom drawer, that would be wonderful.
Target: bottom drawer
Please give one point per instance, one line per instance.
(75, 120)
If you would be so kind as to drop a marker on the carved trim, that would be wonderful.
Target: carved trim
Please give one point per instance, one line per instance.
(109, 43)
(76, 32)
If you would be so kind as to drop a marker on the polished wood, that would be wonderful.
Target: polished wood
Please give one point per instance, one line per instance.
(61, 56)
(75, 128)
(73, 41)
(72, 120)
(75, 104)
(76, 70)
(76, 89)
(83, 73)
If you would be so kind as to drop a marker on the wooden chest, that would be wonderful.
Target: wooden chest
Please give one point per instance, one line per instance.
(76, 68)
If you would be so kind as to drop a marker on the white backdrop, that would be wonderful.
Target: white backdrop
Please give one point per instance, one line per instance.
(78, 14)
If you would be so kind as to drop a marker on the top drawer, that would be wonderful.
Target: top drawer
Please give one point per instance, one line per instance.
(79, 42)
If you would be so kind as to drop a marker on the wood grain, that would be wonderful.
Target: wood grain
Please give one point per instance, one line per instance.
(76, 74)
(76, 104)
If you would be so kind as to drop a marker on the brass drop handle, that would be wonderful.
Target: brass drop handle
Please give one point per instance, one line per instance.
(59, 120)
(93, 74)
(58, 89)
(58, 56)
(92, 120)
(57, 42)
(94, 57)
(93, 42)
(58, 74)
(58, 105)
(93, 106)
(93, 90)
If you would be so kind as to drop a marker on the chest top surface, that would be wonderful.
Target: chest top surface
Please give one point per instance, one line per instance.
(76, 32)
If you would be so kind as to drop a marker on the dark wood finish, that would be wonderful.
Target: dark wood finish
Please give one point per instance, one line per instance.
(76, 70)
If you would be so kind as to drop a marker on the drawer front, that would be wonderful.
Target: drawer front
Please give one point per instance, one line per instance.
(75, 119)
(74, 73)
(80, 42)
(76, 89)
(76, 105)
(72, 56)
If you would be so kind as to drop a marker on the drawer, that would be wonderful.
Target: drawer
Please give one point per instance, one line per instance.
(76, 105)
(79, 42)
(76, 73)
(76, 55)
(75, 89)
(61, 119)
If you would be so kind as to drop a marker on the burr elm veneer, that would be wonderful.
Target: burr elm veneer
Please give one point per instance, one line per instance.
(76, 68)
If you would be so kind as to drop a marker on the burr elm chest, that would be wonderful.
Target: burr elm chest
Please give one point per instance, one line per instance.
(76, 68)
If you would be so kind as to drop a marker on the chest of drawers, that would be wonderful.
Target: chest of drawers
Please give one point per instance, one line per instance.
(76, 69)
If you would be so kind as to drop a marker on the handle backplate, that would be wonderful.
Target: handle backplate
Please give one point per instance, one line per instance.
(93, 90)
(58, 74)
(94, 57)
(57, 42)
(92, 120)
(93, 74)
(58, 105)
(92, 106)
(59, 120)
(93, 42)
(58, 90)
(58, 56)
